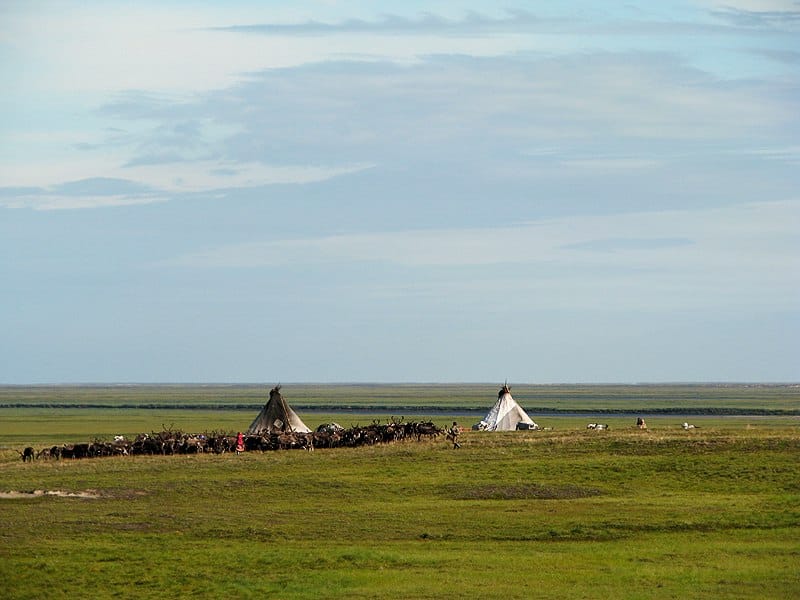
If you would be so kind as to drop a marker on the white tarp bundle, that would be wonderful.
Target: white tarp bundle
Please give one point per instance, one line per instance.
(506, 414)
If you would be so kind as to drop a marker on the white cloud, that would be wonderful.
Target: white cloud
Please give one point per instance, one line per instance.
(459, 106)
(101, 47)
(743, 256)
(788, 154)
(64, 202)
(106, 48)
(612, 164)
(112, 47)
(345, 113)
(720, 238)
(753, 5)
(160, 180)
(202, 176)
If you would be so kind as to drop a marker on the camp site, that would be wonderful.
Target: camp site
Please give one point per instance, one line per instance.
(391, 300)
(705, 512)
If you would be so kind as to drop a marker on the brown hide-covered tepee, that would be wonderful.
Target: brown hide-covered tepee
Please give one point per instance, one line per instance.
(277, 416)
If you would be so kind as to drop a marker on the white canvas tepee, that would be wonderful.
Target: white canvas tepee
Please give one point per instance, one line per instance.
(276, 416)
(506, 414)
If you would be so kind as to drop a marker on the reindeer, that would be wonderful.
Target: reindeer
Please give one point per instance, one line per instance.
(305, 441)
(597, 426)
(427, 429)
(284, 441)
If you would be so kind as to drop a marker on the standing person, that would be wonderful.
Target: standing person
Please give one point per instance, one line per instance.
(453, 433)
(239, 443)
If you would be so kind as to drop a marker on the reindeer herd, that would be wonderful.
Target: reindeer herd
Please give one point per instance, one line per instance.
(170, 442)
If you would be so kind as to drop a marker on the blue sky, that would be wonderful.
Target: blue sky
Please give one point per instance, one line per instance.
(390, 192)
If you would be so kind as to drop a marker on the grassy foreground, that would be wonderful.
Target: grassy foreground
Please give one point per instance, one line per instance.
(667, 513)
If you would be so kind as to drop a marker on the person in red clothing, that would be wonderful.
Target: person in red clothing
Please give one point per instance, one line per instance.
(239, 443)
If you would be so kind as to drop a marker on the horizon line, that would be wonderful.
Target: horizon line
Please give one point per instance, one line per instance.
(386, 383)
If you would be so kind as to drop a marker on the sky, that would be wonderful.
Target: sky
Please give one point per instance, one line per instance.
(383, 191)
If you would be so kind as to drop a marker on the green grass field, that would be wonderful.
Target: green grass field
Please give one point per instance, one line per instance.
(727, 398)
(665, 513)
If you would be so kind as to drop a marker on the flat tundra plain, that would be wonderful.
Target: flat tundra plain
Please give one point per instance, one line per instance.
(667, 512)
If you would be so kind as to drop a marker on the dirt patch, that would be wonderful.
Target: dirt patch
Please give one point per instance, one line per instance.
(530, 491)
(13, 495)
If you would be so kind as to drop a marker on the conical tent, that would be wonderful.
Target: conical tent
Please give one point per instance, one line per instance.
(277, 416)
(506, 414)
